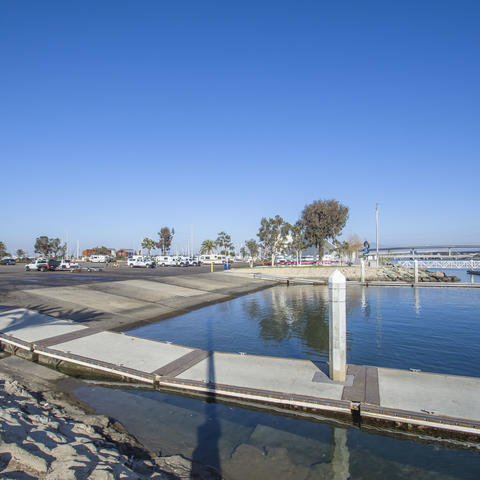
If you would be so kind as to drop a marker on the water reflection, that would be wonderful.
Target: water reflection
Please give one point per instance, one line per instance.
(340, 461)
(416, 296)
(378, 336)
(297, 313)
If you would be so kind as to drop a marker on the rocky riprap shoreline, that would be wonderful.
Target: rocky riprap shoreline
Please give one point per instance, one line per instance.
(384, 273)
(44, 436)
(396, 273)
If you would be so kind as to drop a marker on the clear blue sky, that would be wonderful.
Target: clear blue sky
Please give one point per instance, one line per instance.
(119, 117)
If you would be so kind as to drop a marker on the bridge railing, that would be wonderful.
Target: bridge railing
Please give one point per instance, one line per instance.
(446, 264)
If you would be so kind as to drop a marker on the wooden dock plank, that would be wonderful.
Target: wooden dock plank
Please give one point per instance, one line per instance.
(183, 363)
(372, 392)
(67, 337)
(356, 393)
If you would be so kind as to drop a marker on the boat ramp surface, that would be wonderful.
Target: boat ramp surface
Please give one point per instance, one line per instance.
(438, 402)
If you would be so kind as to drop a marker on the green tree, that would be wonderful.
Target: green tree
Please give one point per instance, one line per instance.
(148, 244)
(208, 247)
(20, 253)
(42, 245)
(3, 249)
(297, 240)
(323, 220)
(224, 242)
(243, 252)
(165, 239)
(49, 246)
(56, 248)
(253, 249)
(62, 252)
(273, 234)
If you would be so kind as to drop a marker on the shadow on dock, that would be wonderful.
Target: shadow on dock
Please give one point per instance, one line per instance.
(207, 451)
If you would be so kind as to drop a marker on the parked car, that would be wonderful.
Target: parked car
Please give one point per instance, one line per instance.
(7, 261)
(50, 264)
(36, 264)
(141, 262)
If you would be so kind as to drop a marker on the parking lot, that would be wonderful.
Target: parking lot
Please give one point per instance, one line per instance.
(17, 273)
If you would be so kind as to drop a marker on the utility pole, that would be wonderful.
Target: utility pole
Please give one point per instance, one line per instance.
(193, 238)
(376, 240)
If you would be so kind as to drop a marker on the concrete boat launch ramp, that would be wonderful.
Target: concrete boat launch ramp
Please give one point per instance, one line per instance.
(436, 402)
(119, 304)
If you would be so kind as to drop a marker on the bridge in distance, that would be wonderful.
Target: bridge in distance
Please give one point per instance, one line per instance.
(433, 256)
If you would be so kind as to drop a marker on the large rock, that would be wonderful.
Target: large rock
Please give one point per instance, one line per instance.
(23, 457)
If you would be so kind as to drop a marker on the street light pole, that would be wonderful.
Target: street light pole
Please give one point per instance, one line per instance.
(376, 240)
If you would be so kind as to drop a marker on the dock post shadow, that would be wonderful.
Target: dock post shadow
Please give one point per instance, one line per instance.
(208, 434)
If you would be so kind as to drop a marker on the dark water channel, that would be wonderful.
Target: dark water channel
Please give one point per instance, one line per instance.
(431, 329)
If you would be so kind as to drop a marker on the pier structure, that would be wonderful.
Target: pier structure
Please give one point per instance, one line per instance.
(337, 286)
(445, 404)
(442, 263)
(452, 256)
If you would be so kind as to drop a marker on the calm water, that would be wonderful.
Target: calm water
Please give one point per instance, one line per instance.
(432, 329)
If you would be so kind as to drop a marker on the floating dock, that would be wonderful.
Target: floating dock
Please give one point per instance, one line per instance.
(443, 404)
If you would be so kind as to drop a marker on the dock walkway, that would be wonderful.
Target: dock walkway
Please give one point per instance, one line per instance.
(434, 401)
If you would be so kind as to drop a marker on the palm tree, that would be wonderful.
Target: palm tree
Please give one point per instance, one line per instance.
(207, 247)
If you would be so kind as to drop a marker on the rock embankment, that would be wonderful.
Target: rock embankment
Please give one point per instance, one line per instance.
(396, 273)
(387, 273)
(44, 437)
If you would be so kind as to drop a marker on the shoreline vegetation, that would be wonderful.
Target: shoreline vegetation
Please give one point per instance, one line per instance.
(47, 433)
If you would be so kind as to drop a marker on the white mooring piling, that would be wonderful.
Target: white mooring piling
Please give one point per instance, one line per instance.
(415, 271)
(362, 270)
(337, 286)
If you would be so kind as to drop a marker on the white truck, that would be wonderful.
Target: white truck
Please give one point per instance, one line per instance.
(99, 258)
(165, 260)
(182, 261)
(194, 261)
(141, 262)
(36, 265)
(69, 265)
